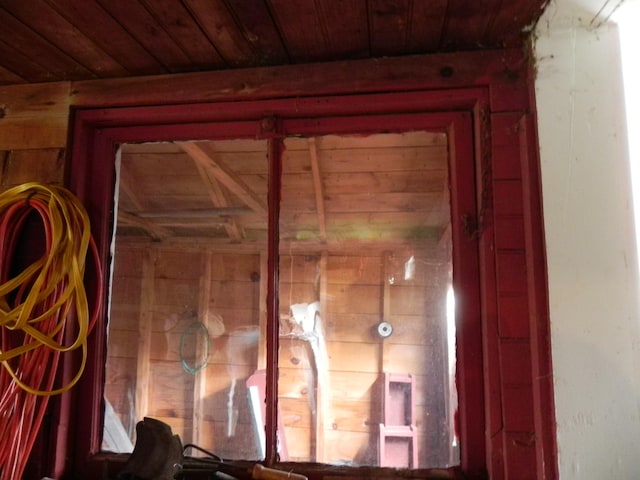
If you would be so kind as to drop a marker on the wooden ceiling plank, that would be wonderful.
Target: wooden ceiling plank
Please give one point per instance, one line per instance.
(42, 52)
(64, 35)
(14, 61)
(102, 29)
(143, 26)
(256, 24)
(225, 176)
(318, 188)
(467, 23)
(425, 25)
(7, 77)
(303, 39)
(345, 28)
(388, 26)
(185, 31)
(218, 25)
(513, 21)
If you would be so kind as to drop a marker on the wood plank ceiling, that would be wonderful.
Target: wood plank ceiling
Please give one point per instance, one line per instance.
(54, 40)
(338, 192)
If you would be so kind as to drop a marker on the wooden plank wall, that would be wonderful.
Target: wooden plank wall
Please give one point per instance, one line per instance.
(172, 302)
(356, 354)
(33, 133)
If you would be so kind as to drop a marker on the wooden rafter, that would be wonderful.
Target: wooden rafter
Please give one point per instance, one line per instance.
(317, 187)
(214, 168)
(210, 213)
(216, 193)
(156, 232)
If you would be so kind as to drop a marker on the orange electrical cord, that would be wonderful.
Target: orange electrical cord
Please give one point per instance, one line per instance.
(44, 312)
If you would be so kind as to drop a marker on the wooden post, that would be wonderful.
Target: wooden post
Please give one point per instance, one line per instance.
(200, 379)
(386, 301)
(262, 313)
(322, 370)
(145, 321)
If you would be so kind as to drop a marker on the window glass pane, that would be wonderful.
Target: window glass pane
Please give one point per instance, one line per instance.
(187, 295)
(366, 358)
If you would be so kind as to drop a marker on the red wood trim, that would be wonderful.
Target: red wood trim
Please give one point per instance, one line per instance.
(463, 183)
(540, 328)
(99, 131)
(273, 260)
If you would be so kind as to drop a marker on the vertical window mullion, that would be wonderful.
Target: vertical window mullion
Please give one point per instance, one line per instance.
(272, 330)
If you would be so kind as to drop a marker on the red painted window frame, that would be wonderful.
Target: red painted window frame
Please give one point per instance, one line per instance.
(97, 132)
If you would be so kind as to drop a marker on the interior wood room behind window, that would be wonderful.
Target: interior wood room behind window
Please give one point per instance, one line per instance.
(364, 350)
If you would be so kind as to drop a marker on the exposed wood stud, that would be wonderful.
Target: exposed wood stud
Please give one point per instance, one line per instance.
(317, 186)
(144, 333)
(200, 379)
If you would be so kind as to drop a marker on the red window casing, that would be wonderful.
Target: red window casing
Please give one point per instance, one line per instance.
(506, 410)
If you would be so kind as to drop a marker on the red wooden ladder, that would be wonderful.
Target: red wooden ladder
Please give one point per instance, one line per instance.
(398, 440)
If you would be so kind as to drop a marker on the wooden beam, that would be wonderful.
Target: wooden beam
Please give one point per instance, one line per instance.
(201, 154)
(298, 247)
(155, 231)
(200, 379)
(217, 195)
(438, 71)
(208, 213)
(262, 311)
(323, 387)
(317, 187)
(144, 333)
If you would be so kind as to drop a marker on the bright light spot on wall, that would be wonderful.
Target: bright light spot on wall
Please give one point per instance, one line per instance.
(627, 16)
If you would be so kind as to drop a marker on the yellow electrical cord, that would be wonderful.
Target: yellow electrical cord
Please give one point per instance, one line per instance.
(54, 283)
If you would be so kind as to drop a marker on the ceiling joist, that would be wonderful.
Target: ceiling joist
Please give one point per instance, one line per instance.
(203, 157)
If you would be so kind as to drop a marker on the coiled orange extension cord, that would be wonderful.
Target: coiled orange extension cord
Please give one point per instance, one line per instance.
(41, 307)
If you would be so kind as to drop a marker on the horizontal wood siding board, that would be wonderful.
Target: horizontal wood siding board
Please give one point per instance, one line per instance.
(34, 116)
(42, 165)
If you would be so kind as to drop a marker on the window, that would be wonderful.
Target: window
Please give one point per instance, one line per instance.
(308, 258)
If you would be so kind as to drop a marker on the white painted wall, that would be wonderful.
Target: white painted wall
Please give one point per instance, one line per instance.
(590, 240)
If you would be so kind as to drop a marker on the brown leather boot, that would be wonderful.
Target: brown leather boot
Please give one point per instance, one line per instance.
(157, 454)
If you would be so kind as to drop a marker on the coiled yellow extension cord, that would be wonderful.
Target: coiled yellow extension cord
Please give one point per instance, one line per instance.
(40, 307)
